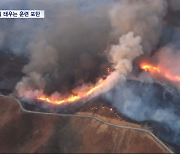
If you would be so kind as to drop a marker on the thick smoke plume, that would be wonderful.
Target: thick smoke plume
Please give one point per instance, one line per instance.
(150, 102)
(122, 56)
(72, 47)
(75, 71)
(69, 49)
(144, 18)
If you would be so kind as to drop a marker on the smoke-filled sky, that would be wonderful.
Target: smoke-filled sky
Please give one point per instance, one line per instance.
(66, 48)
(78, 40)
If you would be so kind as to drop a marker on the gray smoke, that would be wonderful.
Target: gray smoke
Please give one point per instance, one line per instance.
(144, 18)
(73, 45)
(148, 101)
(68, 50)
(122, 56)
(65, 54)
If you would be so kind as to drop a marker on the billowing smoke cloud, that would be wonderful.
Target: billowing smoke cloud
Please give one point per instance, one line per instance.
(68, 50)
(74, 44)
(148, 101)
(122, 56)
(144, 18)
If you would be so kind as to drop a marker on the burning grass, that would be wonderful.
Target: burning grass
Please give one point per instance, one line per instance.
(157, 70)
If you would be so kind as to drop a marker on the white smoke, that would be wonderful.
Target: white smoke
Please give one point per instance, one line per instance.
(35, 80)
(139, 28)
(122, 56)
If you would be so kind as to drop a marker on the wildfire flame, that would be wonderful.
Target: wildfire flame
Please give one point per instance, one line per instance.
(152, 69)
(73, 97)
(76, 96)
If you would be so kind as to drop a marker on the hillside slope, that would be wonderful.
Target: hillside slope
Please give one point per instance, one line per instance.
(31, 133)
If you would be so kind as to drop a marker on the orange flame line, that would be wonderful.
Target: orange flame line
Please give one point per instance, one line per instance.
(158, 70)
(71, 98)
